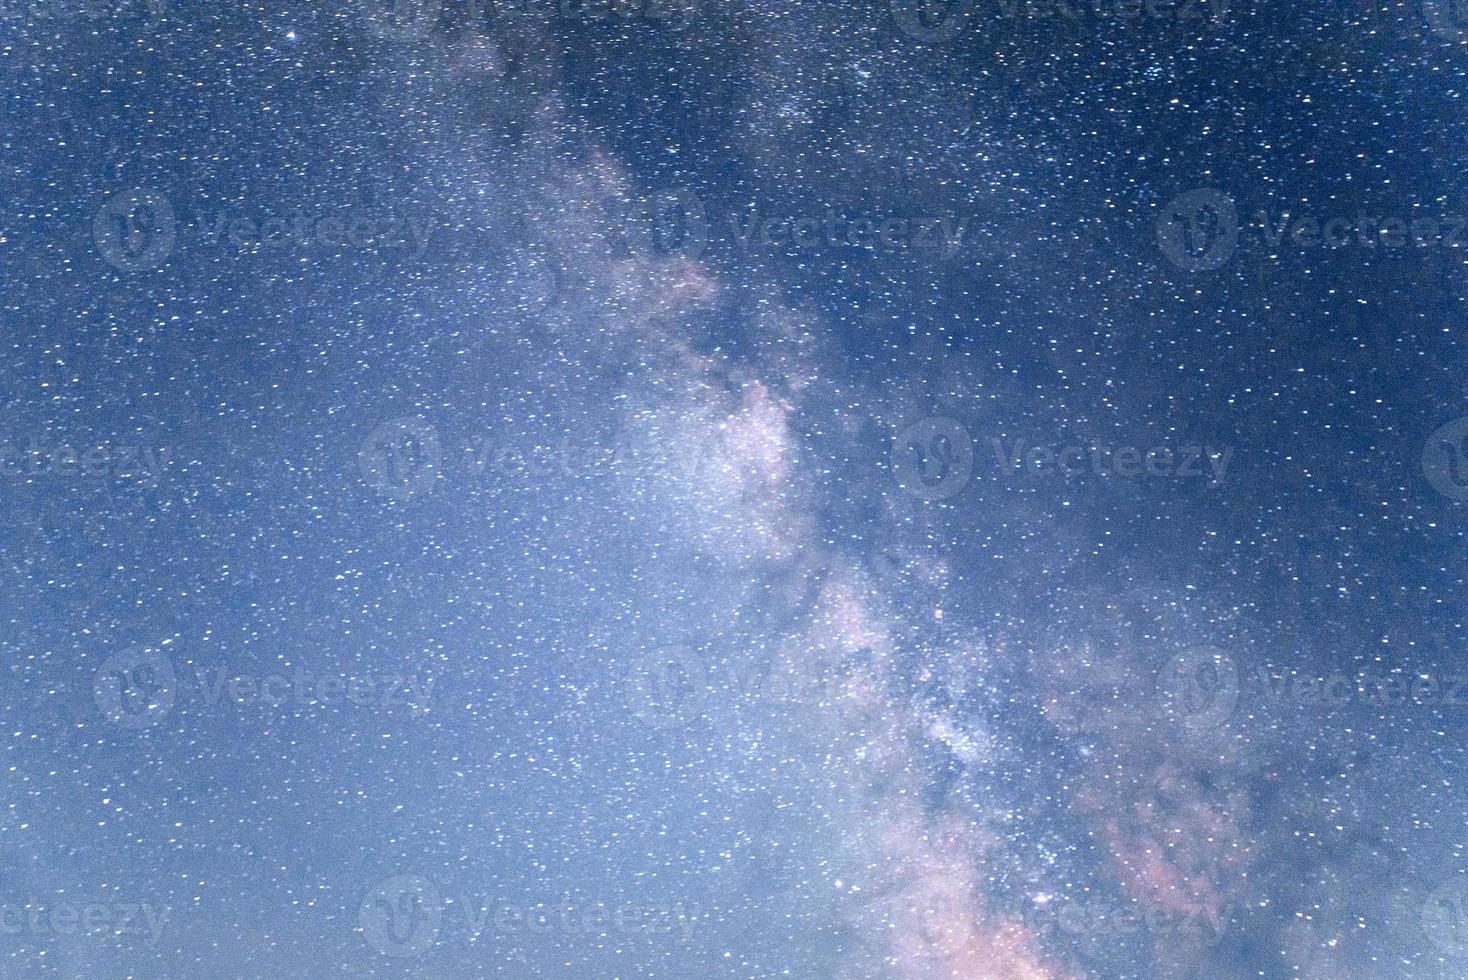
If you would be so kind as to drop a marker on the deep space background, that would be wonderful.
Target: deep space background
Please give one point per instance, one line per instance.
(718, 636)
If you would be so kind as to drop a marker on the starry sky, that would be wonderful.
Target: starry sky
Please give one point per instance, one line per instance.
(663, 488)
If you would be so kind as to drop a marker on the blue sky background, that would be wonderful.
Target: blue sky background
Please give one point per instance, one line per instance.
(438, 495)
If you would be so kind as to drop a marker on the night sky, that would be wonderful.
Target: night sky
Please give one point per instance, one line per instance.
(665, 488)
